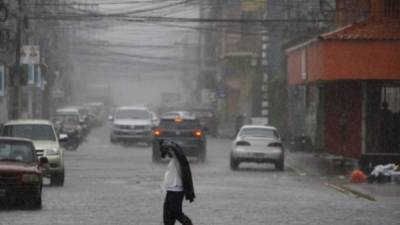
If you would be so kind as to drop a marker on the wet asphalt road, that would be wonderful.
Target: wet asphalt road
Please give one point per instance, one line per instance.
(115, 184)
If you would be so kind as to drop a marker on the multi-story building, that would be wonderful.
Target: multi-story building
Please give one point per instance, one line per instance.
(238, 53)
(250, 69)
(8, 31)
(41, 45)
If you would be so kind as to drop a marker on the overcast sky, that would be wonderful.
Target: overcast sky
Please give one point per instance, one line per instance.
(140, 60)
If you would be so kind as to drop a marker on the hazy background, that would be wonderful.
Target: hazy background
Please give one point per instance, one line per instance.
(140, 61)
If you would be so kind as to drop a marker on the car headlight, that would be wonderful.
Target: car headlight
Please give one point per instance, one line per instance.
(52, 151)
(30, 178)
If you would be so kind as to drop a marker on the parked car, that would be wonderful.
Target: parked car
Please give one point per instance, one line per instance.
(78, 113)
(46, 143)
(131, 123)
(68, 124)
(184, 130)
(20, 172)
(259, 144)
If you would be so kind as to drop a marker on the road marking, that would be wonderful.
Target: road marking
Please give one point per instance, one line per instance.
(337, 188)
(297, 171)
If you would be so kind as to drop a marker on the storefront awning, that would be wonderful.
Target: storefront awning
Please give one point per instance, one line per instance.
(368, 50)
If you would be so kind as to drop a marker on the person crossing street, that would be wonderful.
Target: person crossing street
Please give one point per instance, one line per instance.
(178, 184)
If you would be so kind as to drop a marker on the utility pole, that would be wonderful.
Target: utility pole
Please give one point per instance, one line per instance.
(16, 103)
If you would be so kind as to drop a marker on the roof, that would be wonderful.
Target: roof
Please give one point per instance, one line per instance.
(4, 138)
(259, 126)
(95, 104)
(68, 110)
(132, 107)
(174, 114)
(369, 29)
(28, 122)
(181, 114)
(15, 139)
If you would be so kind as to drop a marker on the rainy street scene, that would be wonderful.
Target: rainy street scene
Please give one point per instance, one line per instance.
(199, 112)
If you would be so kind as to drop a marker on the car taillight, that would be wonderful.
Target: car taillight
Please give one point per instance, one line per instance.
(275, 144)
(198, 133)
(242, 143)
(157, 132)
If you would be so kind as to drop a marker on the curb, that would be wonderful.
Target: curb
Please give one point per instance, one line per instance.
(348, 190)
(359, 194)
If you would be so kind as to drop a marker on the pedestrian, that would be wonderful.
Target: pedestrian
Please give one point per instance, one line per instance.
(178, 184)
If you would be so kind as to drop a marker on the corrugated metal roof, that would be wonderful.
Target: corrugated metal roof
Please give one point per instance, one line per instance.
(370, 29)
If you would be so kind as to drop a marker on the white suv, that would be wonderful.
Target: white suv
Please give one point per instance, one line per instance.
(131, 123)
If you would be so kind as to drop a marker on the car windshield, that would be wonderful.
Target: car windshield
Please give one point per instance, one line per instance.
(68, 119)
(31, 131)
(184, 124)
(132, 114)
(259, 132)
(19, 152)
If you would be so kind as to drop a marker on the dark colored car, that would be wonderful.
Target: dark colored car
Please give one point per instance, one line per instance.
(20, 172)
(185, 131)
(208, 120)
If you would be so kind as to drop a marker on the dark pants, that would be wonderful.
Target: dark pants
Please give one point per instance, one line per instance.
(173, 209)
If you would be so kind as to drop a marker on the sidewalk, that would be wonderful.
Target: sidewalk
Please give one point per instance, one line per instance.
(322, 166)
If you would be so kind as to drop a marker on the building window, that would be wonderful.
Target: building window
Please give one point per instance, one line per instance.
(392, 8)
(391, 96)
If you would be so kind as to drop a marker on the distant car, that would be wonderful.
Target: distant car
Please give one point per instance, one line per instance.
(98, 110)
(82, 111)
(185, 131)
(131, 123)
(259, 144)
(67, 124)
(20, 172)
(46, 143)
(78, 112)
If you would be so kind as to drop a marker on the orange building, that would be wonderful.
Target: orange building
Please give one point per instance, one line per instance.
(357, 70)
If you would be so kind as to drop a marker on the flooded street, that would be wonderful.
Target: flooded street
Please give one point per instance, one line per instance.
(115, 184)
(277, 112)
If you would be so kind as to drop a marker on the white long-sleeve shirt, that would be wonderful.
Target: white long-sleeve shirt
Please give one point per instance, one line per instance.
(172, 177)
